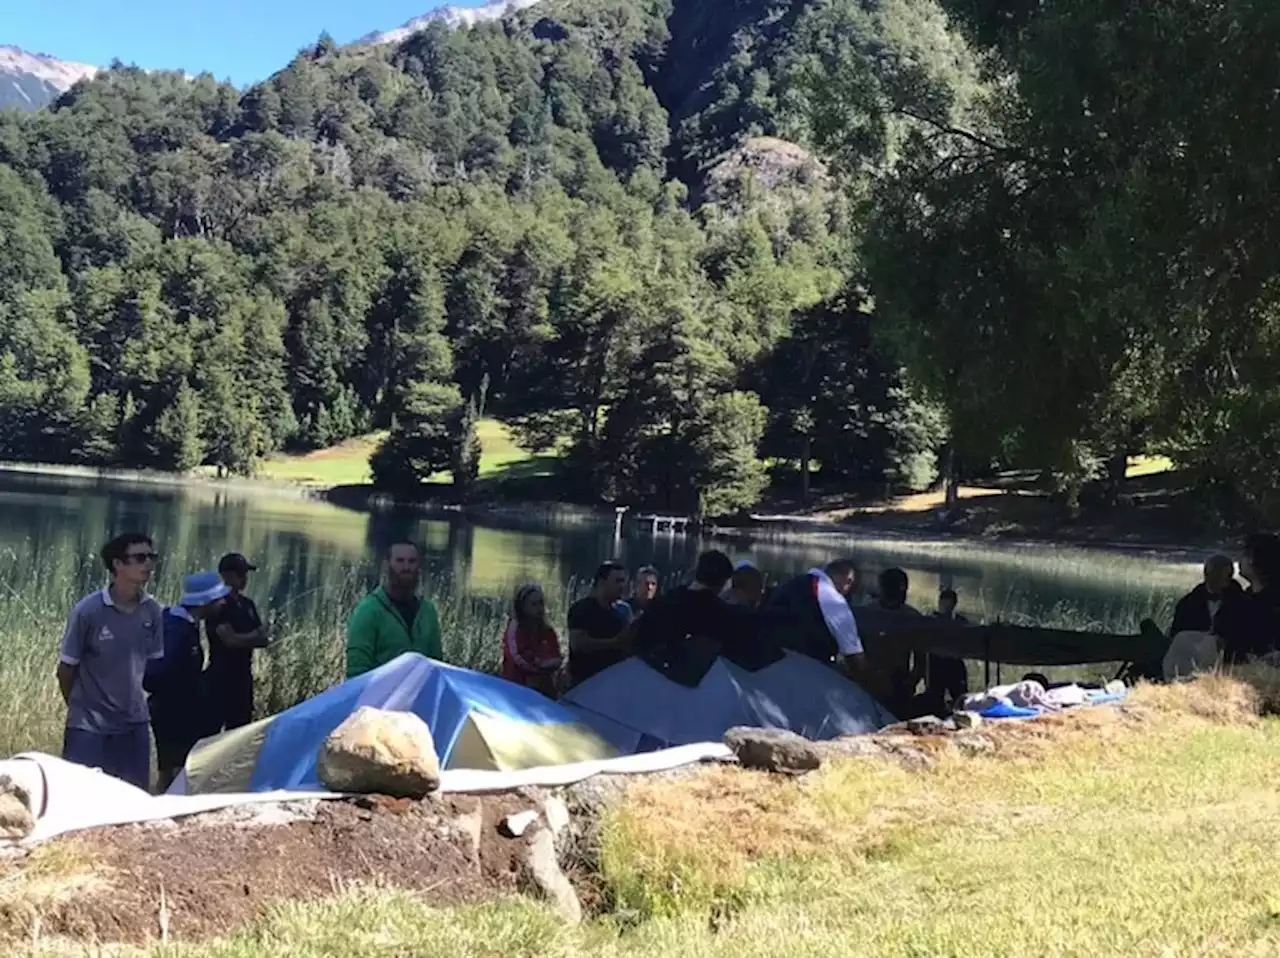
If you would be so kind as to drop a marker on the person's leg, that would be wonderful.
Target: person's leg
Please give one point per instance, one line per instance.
(84, 748)
(128, 754)
(238, 701)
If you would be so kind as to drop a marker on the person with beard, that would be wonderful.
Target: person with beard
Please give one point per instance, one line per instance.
(393, 619)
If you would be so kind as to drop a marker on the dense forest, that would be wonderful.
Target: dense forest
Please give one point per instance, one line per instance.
(680, 239)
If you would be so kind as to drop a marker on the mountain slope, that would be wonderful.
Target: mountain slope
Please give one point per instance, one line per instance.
(450, 16)
(29, 81)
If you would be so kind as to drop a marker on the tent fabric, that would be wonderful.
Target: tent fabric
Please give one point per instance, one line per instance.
(69, 798)
(477, 721)
(636, 708)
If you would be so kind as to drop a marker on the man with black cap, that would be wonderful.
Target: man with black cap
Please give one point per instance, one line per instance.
(234, 631)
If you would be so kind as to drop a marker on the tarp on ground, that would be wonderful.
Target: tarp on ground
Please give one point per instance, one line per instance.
(637, 708)
(68, 798)
(478, 721)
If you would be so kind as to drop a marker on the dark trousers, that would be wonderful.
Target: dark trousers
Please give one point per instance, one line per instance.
(124, 755)
(233, 698)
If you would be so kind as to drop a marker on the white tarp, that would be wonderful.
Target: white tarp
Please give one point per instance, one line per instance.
(66, 797)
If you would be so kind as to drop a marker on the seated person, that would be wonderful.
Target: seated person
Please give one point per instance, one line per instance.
(811, 614)
(1209, 607)
(597, 629)
(683, 631)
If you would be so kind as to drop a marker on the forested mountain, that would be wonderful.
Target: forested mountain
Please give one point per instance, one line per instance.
(690, 236)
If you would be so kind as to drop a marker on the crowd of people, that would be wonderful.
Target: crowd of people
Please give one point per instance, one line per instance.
(130, 669)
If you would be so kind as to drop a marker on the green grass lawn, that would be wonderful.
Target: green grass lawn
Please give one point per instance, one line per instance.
(1147, 832)
(347, 464)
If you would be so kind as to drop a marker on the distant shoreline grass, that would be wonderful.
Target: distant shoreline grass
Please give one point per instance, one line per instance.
(308, 657)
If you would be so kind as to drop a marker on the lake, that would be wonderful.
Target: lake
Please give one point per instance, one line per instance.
(317, 559)
(53, 527)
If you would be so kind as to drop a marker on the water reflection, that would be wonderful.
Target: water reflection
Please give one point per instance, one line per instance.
(52, 527)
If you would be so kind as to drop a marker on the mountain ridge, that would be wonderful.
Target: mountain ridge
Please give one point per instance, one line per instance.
(29, 81)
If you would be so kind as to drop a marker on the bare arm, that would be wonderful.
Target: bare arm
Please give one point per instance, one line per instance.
(67, 680)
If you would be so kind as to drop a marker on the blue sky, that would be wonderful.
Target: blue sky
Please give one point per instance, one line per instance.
(240, 40)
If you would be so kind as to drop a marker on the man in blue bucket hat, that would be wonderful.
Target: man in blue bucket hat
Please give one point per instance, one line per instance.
(181, 710)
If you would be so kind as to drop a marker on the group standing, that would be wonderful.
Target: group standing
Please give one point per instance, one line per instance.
(129, 669)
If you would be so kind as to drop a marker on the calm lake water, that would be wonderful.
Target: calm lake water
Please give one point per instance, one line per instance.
(51, 528)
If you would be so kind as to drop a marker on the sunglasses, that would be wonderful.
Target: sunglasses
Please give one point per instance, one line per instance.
(141, 557)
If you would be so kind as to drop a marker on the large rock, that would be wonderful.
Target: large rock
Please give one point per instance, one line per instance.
(16, 818)
(380, 752)
(773, 750)
(542, 875)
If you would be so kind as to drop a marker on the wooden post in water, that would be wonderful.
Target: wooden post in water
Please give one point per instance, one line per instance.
(618, 513)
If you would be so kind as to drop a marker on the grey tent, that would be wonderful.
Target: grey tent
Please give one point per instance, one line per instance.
(635, 708)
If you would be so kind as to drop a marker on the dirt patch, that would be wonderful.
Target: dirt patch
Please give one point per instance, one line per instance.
(207, 879)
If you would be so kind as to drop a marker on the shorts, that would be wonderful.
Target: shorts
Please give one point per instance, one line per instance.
(124, 755)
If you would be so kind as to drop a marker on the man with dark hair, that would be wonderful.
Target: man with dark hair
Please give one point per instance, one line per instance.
(746, 587)
(110, 637)
(596, 627)
(393, 619)
(946, 679)
(234, 630)
(684, 630)
(811, 614)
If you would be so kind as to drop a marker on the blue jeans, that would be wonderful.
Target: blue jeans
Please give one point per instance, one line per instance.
(125, 755)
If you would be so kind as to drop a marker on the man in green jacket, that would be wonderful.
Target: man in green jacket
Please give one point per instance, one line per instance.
(393, 619)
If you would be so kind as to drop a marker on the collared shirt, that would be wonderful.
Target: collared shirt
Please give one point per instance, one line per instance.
(110, 649)
(837, 613)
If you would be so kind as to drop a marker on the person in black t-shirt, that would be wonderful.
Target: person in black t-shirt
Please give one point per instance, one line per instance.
(684, 631)
(597, 629)
(234, 631)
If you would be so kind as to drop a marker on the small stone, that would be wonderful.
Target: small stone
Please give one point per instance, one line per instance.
(380, 752)
(556, 814)
(773, 750)
(926, 725)
(542, 873)
(967, 719)
(513, 826)
(16, 820)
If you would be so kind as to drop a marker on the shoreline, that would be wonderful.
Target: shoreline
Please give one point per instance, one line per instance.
(917, 530)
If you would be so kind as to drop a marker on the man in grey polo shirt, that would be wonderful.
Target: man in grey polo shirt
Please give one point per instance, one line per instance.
(109, 639)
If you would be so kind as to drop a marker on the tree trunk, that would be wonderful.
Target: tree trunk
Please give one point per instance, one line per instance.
(806, 456)
(1117, 468)
(953, 480)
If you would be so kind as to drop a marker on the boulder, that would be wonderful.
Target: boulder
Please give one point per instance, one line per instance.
(967, 719)
(543, 876)
(16, 819)
(773, 750)
(380, 752)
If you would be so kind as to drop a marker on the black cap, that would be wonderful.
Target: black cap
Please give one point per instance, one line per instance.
(235, 562)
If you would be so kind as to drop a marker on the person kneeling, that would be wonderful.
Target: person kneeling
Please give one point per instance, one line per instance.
(181, 711)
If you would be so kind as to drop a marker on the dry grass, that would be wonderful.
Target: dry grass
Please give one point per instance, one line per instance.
(1146, 830)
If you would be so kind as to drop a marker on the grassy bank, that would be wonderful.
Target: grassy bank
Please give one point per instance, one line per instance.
(347, 464)
(1142, 832)
(36, 595)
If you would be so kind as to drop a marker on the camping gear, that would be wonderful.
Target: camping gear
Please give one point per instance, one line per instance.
(478, 721)
(636, 708)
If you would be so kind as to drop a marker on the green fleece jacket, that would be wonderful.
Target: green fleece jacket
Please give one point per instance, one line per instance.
(377, 633)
